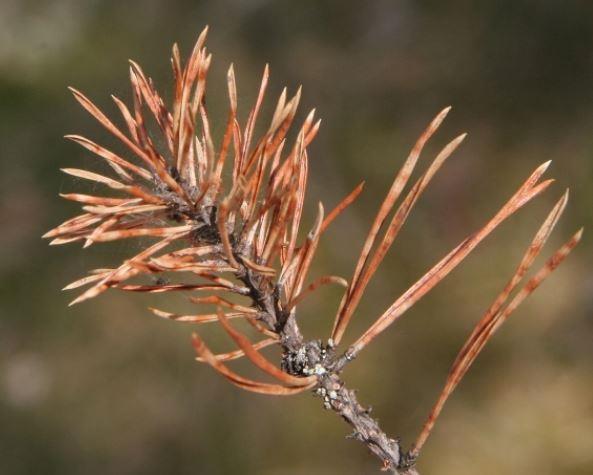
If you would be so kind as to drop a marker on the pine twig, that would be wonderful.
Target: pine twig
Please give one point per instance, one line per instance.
(241, 239)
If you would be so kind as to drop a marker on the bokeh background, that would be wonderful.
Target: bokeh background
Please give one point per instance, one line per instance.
(107, 388)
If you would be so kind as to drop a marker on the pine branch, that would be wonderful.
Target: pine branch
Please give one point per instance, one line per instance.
(242, 240)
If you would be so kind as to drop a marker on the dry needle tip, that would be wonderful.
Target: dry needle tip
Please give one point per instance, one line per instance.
(579, 234)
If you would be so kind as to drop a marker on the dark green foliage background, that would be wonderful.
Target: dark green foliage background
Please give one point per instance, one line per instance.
(106, 388)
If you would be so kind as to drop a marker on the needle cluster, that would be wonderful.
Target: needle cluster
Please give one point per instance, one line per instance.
(226, 220)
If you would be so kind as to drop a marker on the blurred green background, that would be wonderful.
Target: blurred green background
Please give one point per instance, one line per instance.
(106, 388)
